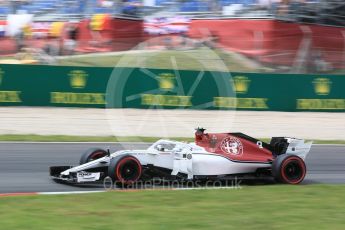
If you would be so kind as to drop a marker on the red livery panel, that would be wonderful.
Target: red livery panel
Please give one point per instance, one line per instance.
(235, 146)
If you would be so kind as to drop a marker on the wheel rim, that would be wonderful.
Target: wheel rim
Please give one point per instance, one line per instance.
(128, 170)
(293, 171)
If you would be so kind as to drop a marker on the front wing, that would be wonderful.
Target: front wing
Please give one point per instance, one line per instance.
(74, 177)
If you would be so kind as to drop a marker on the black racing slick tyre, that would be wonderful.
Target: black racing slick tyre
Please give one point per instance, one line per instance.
(91, 155)
(289, 169)
(124, 169)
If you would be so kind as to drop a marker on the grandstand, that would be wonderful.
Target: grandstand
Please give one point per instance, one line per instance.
(312, 11)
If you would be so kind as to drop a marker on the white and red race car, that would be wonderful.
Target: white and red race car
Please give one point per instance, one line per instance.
(211, 156)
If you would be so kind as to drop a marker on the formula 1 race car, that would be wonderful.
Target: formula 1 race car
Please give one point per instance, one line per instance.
(221, 156)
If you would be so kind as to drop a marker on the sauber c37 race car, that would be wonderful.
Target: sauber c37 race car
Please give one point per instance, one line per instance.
(221, 156)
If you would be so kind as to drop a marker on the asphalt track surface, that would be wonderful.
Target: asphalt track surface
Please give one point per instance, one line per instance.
(24, 167)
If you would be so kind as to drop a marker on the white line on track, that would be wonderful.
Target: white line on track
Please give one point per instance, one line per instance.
(67, 193)
(117, 190)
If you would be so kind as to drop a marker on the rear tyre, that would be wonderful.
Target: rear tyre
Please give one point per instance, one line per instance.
(91, 155)
(124, 170)
(289, 169)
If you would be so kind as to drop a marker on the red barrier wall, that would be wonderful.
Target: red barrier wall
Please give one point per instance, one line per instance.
(127, 33)
(272, 41)
(121, 34)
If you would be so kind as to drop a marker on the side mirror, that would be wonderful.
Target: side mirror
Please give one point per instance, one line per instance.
(259, 143)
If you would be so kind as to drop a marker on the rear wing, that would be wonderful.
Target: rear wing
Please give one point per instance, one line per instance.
(290, 145)
(298, 147)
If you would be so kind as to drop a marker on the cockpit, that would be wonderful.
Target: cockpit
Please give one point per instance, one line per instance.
(163, 146)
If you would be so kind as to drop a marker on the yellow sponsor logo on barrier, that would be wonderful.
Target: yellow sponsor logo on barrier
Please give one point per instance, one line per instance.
(77, 98)
(10, 96)
(165, 100)
(322, 86)
(321, 104)
(241, 84)
(78, 79)
(166, 81)
(240, 103)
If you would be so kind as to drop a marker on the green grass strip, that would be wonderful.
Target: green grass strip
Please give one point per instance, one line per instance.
(252, 207)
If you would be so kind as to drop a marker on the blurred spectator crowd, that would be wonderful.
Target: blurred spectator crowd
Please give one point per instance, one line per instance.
(315, 11)
(39, 7)
(87, 26)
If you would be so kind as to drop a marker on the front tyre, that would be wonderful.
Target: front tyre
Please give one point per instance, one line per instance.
(289, 169)
(91, 155)
(124, 169)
